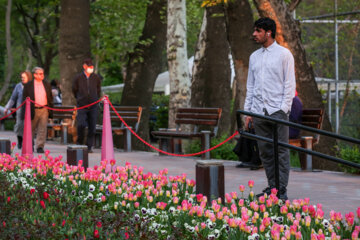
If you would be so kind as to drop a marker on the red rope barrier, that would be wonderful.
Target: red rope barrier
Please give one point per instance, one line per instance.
(127, 126)
(159, 150)
(13, 111)
(68, 110)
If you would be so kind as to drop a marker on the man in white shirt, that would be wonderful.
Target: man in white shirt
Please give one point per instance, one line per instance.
(270, 90)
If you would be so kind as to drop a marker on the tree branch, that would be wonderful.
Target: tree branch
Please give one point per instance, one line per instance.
(293, 4)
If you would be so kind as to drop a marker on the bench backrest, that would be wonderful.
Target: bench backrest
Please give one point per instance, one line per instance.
(64, 114)
(131, 115)
(313, 117)
(198, 117)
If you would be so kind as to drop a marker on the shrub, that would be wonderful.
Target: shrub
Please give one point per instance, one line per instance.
(351, 154)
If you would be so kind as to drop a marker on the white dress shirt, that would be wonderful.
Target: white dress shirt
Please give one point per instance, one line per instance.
(271, 80)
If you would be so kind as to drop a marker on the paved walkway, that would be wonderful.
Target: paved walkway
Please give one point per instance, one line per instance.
(334, 190)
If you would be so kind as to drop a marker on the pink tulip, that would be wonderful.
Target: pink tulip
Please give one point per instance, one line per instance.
(251, 183)
(242, 188)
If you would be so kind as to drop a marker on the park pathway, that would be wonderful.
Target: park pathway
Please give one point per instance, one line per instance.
(334, 190)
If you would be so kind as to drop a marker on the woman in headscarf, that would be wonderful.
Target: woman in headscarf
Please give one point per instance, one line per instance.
(16, 99)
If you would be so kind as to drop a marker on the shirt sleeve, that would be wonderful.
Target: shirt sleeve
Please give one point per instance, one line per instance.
(13, 98)
(289, 82)
(249, 88)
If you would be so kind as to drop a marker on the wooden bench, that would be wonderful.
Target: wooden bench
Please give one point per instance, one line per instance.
(311, 117)
(170, 139)
(131, 115)
(64, 122)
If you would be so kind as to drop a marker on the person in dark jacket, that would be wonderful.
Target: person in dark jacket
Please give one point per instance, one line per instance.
(87, 88)
(295, 116)
(39, 91)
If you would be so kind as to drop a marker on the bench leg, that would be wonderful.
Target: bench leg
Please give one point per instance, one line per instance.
(306, 159)
(165, 145)
(65, 133)
(205, 144)
(127, 140)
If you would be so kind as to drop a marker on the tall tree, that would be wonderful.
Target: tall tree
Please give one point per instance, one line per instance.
(9, 70)
(288, 35)
(74, 43)
(40, 20)
(145, 64)
(211, 71)
(239, 29)
(177, 58)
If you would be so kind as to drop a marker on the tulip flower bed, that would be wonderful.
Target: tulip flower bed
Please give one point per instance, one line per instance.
(45, 198)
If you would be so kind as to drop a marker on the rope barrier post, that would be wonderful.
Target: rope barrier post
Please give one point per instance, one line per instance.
(5, 146)
(306, 159)
(27, 146)
(276, 157)
(75, 153)
(107, 147)
(206, 143)
(210, 179)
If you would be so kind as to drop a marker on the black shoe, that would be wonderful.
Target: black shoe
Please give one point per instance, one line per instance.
(90, 150)
(256, 167)
(267, 190)
(40, 150)
(243, 165)
(20, 140)
(283, 194)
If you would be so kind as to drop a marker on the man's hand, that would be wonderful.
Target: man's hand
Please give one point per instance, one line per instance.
(248, 120)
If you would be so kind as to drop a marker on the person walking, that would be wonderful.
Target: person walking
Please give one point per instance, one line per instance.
(270, 91)
(39, 91)
(16, 99)
(86, 89)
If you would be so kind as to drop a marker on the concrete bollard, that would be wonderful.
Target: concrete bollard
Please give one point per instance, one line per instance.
(76, 153)
(210, 179)
(306, 159)
(5, 145)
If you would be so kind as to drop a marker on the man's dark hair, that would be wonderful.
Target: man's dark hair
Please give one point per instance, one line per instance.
(266, 24)
(88, 62)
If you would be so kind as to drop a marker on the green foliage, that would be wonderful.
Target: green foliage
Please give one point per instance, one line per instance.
(349, 125)
(159, 112)
(294, 159)
(351, 154)
(115, 29)
(224, 152)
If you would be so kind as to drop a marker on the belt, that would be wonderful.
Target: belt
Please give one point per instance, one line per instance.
(39, 107)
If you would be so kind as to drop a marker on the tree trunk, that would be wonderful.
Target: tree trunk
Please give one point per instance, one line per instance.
(144, 65)
(177, 58)
(211, 71)
(9, 70)
(74, 43)
(240, 24)
(288, 35)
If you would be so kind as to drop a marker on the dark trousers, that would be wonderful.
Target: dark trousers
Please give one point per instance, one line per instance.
(87, 118)
(265, 129)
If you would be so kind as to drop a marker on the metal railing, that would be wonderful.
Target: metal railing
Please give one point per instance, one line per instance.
(276, 143)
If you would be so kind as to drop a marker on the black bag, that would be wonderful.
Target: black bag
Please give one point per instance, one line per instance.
(247, 149)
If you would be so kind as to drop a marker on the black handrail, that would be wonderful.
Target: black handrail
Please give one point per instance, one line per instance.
(276, 143)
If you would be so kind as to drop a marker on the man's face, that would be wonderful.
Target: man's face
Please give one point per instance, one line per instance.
(260, 36)
(39, 75)
(88, 69)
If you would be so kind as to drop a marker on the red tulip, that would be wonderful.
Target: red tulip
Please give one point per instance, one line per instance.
(127, 236)
(42, 203)
(96, 233)
(45, 195)
(63, 223)
(4, 223)
(80, 219)
(98, 224)
(32, 191)
(8, 199)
